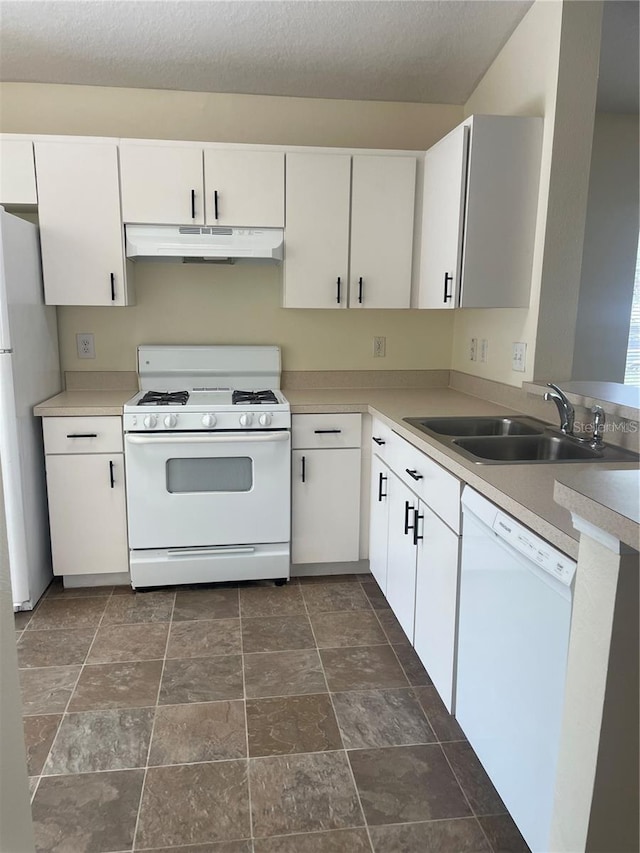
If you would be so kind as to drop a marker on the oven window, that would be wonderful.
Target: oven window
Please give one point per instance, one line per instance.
(220, 474)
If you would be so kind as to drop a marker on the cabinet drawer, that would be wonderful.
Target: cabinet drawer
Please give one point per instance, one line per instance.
(317, 431)
(382, 439)
(82, 435)
(439, 489)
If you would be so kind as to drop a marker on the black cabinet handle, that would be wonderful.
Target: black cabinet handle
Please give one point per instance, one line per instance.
(193, 204)
(382, 480)
(416, 519)
(82, 435)
(304, 470)
(215, 205)
(113, 482)
(413, 473)
(360, 289)
(327, 431)
(407, 509)
(378, 441)
(447, 279)
(113, 286)
(338, 293)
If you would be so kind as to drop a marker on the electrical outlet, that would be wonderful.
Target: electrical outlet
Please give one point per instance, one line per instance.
(473, 349)
(519, 356)
(85, 345)
(379, 347)
(484, 349)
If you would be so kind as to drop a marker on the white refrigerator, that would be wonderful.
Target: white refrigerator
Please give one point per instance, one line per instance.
(29, 373)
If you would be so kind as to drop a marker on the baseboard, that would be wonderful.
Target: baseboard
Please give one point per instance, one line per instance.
(106, 579)
(357, 567)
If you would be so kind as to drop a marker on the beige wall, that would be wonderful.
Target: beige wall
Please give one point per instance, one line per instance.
(548, 68)
(237, 304)
(521, 81)
(610, 251)
(213, 117)
(241, 305)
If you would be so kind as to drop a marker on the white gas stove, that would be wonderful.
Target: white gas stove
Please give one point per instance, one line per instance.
(208, 460)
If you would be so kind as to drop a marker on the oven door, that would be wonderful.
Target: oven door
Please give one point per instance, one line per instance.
(198, 489)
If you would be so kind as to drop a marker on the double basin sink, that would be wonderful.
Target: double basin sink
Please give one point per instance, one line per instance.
(513, 440)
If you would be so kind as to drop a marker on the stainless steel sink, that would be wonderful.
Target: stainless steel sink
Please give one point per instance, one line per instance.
(514, 441)
(479, 426)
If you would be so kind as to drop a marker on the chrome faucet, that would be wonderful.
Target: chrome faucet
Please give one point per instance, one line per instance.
(565, 409)
(598, 426)
(568, 415)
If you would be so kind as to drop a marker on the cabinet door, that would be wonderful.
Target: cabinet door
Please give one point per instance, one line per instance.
(442, 220)
(501, 208)
(87, 514)
(379, 522)
(325, 506)
(436, 601)
(382, 207)
(401, 555)
(244, 188)
(17, 172)
(162, 185)
(81, 233)
(317, 230)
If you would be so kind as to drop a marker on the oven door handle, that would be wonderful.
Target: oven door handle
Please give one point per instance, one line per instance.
(206, 552)
(197, 438)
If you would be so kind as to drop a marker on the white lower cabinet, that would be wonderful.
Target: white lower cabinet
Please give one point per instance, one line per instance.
(415, 554)
(401, 560)
(86, 493)
(381, 483)
(325, 496)
(437, 586)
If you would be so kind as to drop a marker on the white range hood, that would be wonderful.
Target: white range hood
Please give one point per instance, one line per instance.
(202, 243)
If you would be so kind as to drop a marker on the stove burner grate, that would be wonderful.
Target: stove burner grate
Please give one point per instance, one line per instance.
(253, 397)
(164, 398)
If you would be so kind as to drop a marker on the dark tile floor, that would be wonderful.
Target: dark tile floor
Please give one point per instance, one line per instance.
(251, 719)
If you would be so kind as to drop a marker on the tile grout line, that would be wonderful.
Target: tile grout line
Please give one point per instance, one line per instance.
(153, 725)
(246, 720)
(346, 754)
(73, 690)
(467, 800)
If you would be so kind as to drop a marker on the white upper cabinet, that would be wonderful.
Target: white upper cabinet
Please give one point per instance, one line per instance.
(81, 233)
(244, 188)
(162, 184)
(17, 172)
(326, 205)
(382, 208)
(317, 231)
(479, 214)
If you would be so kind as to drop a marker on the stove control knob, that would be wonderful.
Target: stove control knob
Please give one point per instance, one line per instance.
(150, 421)
(265, 419)
(246, 419)
(170, 421)
(209, 420)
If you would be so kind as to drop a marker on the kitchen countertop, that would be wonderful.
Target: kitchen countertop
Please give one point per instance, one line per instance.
(529, 498)
(84, 403)
(609, 500)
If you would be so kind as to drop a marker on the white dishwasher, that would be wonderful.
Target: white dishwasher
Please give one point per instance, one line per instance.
(515, 616)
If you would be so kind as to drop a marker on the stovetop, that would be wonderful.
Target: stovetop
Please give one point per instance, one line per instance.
(195, 388)
(219, 409)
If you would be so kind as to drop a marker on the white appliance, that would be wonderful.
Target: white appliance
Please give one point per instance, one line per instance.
(29, 373)
(184, 243)
(208, 466)
(515, 617)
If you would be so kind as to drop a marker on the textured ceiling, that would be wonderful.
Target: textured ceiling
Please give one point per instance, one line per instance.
(431, 51)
